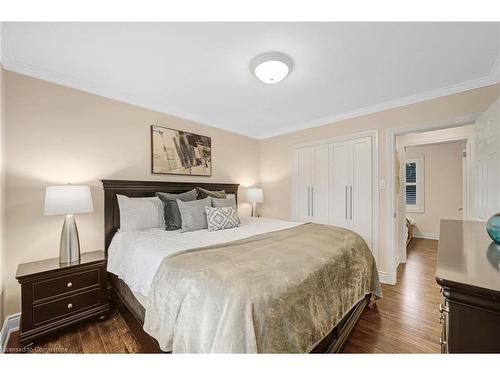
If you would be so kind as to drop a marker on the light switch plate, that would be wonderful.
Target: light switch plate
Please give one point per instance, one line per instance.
(382, 184)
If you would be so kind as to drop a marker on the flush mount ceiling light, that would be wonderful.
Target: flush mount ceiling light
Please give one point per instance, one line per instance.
(271, 67)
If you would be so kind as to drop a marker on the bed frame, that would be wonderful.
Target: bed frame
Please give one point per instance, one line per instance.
(132, 311)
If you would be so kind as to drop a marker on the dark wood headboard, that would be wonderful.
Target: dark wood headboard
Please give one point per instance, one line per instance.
(144, 189)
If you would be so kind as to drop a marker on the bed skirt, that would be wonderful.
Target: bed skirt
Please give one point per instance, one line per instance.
(133, 313)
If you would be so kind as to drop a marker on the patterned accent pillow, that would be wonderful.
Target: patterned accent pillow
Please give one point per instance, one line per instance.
(219, 218)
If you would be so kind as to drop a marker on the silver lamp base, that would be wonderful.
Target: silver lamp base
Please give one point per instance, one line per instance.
(254, 209)
(69, 250)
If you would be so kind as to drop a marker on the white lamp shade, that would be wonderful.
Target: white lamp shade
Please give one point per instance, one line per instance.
(254, 195)
(68, 199)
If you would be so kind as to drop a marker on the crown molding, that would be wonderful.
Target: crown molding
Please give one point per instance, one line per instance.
(43, 74)
(10, 63)
(495, 71)
(490, 79)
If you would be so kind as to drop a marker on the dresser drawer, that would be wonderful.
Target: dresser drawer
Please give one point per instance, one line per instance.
(65, 306)
(53, 287)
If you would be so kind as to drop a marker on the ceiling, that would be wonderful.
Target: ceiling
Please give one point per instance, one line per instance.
(200, 71)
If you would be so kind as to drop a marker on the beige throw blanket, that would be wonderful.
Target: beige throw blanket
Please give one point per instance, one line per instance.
(277, 292)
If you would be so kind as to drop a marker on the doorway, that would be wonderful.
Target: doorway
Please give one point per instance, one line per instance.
(397, 253)
(432, 183)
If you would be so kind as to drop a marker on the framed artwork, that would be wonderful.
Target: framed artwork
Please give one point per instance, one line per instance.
(180, 153)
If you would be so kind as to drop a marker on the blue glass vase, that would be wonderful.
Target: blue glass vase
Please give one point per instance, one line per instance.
(493, 227)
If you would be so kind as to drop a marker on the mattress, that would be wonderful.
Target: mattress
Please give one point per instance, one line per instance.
(135, 256)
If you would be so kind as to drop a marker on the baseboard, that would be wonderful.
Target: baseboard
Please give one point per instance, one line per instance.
(11, 324)
(385, 278)
(426, 235)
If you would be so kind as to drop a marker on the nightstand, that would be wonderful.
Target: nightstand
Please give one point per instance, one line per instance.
(55, 296)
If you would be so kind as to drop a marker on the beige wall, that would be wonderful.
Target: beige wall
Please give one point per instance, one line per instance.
(58, 135)
(2, 192)
(443, 191)
(276, 152)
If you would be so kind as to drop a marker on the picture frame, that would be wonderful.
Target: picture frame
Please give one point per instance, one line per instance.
(177, 152)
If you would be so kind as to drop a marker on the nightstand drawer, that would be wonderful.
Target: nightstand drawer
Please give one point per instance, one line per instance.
(53, 287)
(65, 306)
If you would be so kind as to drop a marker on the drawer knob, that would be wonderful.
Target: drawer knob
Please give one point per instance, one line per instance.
(70, 305)
(70, 284)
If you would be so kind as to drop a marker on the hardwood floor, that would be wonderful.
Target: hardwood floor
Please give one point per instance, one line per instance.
(404, 321)
(109, 336)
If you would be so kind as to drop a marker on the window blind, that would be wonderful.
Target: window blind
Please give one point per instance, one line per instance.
(411, 183)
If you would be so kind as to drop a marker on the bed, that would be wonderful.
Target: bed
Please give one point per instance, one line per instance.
(410, 224)
(159, 281)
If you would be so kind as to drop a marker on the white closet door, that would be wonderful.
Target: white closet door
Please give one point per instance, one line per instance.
(339, 184)
(319, 186)
(303, 180)
(361, 183)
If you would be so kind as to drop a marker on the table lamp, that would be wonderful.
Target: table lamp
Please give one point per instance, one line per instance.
(254, 196)
(68, 200)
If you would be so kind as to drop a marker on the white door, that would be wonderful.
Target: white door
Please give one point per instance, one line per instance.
(319, 200)
(361, 207)
(339, 184)
(303, 180)
(487, 164)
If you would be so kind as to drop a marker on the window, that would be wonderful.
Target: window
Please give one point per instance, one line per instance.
(414, 184)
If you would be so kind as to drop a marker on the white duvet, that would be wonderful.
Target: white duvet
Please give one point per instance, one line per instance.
(135, 256)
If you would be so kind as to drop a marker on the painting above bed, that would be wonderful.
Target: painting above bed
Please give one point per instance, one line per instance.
(181, 153)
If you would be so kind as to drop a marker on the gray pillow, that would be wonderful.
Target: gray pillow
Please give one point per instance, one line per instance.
(172, 214)
(203, 193)
(228, 202)
(193, 214)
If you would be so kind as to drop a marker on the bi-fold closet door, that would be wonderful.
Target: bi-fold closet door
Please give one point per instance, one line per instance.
(351, 186)
(333, 185)
(311, 184)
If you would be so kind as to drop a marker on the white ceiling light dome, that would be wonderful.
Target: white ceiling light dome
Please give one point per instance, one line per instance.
(271, 67)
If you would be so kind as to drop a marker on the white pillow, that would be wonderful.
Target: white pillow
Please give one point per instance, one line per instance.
(140, 213)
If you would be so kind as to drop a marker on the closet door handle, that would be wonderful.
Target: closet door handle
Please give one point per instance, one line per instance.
(312, 200)
(308, 201)
(351, 199)
(346, 202)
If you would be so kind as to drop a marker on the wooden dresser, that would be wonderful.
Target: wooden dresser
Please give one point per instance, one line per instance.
(55, 296)
(468, 271)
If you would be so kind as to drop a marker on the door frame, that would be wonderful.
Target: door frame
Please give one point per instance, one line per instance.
(373, 134)
(392, 234)
(466, 178)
